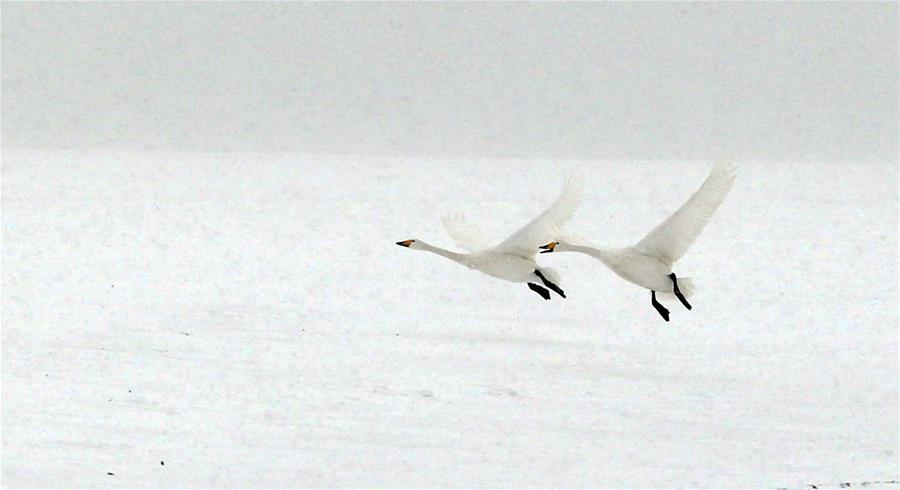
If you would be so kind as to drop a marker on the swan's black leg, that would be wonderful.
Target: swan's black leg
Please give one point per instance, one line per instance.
(538, 289)
(677, 291)
(549, 284)
(660, 308)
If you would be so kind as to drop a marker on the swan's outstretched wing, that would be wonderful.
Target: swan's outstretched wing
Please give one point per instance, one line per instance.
(465, 234)
(671, 239)
(539, 231)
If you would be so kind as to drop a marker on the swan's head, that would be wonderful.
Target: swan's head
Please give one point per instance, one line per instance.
(406, 243)
(545, 249)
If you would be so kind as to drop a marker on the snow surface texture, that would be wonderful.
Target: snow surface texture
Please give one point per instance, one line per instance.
(248, 321)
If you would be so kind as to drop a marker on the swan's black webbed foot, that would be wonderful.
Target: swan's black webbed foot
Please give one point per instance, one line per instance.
(677, 291)
(663, 312)
(540, 290)
(549, 284)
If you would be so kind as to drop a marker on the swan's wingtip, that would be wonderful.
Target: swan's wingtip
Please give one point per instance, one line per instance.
(725, 163)
(573, 180)
(573, 186)
(725, 168)
(453, 217)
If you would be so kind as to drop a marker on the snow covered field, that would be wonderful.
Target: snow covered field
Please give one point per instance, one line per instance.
(188, 320)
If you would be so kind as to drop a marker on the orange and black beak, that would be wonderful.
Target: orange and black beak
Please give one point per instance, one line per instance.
(405, 243)
(548, 247)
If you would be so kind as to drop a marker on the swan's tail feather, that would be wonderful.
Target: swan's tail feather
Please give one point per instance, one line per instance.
(686, 285)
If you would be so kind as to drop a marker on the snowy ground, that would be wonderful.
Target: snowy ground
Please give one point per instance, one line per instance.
(248, 321)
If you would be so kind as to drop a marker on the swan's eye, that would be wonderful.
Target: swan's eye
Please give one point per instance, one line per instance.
(405, 243)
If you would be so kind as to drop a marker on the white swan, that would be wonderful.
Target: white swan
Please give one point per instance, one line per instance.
(513, 259)
(649, 262)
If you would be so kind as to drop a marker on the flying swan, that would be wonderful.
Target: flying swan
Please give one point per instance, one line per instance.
(512, 259)
(649, 262)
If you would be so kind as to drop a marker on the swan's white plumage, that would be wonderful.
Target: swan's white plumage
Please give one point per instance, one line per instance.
(525, 241)
(648, 263)
(671, 239)
(514, 258)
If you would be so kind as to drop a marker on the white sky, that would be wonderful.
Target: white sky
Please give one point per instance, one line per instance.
(770, 81)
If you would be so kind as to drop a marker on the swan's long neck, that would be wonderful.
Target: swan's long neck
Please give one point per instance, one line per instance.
(604, 254)
(456, 257)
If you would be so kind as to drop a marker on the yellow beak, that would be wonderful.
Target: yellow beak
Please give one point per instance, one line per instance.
(548, 247)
